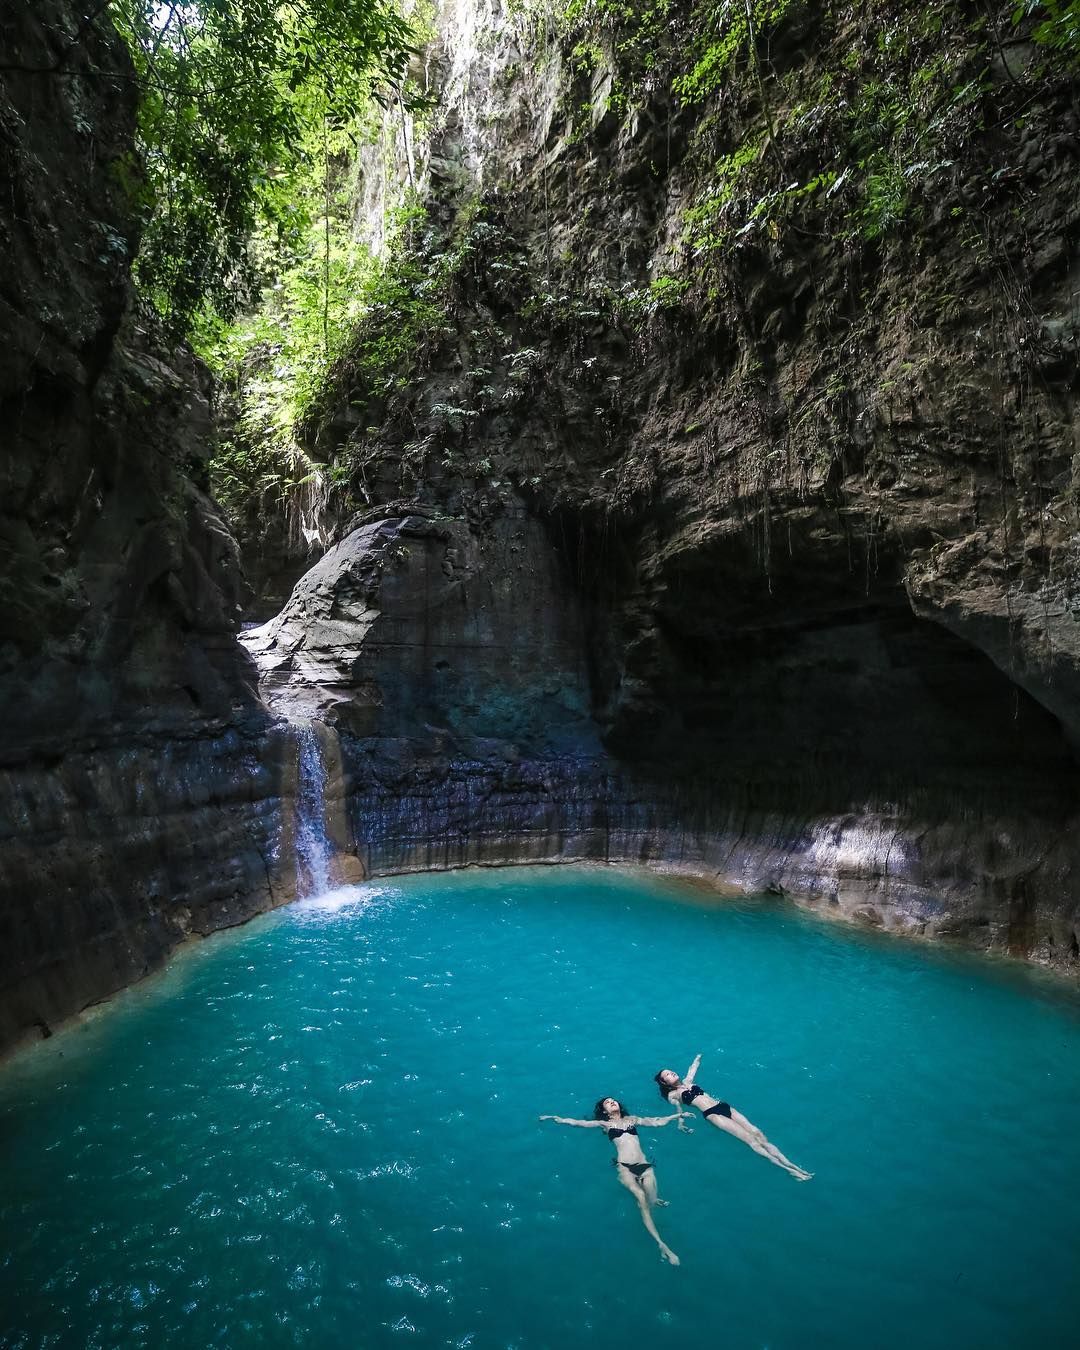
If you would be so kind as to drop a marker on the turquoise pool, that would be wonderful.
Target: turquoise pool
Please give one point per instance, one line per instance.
(321, 1130)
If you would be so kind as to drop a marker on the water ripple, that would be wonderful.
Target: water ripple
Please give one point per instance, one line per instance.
(327, 1122)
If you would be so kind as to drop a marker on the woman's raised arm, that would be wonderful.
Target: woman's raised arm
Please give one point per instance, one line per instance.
(584, 1124)
(657, 1120)
(691, 1072)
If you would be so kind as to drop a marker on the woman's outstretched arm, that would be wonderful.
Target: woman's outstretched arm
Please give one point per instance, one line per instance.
(657, 1120)
(584, 1124)
(675, 1100)
(691, 1072)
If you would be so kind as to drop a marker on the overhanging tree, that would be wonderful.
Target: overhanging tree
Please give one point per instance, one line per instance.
(234, 94)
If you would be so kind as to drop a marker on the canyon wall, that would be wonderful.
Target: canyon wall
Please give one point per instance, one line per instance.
(774, 389)
(140, 776)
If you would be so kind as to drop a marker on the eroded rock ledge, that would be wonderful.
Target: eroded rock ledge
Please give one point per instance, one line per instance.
(450, 666)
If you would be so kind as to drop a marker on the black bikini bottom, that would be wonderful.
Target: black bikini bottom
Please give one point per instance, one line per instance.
(638, 1169)
(720, 1109)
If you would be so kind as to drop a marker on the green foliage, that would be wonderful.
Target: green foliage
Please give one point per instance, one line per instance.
(850, 150)
(360, 315)
(271, 362)
(232, 94)
(405, 300)
(726, 28)
(636, 40)
(408, 302)
(1057, 25)
(636, 31)
(885, 196)
(705, 224)
(665, 292)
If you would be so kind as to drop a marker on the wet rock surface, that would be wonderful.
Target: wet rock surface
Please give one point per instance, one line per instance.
(420, 624)
(502, 764)
(777, 587)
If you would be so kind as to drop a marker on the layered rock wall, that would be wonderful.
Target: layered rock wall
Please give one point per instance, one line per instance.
(140, 779)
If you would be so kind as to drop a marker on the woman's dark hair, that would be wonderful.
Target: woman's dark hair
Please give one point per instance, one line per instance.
(663, 1090)
(598, 1110)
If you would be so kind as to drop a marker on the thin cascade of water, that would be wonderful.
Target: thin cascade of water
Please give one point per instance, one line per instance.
(312, 846)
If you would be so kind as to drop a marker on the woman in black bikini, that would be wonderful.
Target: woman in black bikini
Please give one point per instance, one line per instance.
(635, 1171)
(682, 1092)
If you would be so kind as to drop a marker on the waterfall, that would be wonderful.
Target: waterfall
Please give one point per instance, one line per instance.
(312, 845)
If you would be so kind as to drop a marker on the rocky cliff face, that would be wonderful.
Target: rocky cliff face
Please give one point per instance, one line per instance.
(139, 787)
(714, 506)
(779, 382)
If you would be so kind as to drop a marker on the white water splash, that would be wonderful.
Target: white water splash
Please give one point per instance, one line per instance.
(341, 897)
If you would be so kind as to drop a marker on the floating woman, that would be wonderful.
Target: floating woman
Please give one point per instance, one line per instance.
(685, 1092)
(635, 1171)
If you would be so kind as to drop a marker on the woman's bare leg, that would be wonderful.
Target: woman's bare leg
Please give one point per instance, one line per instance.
(649, 1182)
(749, 1126)
(753, 1138)
(641, 1196)
(771, 1148)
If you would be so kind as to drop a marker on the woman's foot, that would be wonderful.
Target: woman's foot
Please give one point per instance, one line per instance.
(668, 1255)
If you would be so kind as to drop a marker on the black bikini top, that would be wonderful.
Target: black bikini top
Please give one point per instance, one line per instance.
(688, 1094)
(615, 1133)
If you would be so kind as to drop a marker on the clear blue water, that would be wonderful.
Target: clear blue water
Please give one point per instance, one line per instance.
(321, 1131)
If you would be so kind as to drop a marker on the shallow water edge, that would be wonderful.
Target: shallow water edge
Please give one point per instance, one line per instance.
(115, 862)
(864, 909)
